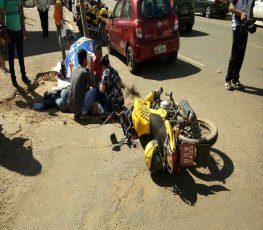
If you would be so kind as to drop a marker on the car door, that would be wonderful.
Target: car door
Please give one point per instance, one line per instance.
(113, 26)
(125, 26)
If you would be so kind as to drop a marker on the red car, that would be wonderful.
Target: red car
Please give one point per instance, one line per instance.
(142, 30)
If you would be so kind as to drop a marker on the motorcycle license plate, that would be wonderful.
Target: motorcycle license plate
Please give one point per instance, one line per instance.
(159, 49)
(187, 154)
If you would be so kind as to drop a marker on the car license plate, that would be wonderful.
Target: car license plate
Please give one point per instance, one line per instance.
(184, 11)
(187, 154)
(159, 49)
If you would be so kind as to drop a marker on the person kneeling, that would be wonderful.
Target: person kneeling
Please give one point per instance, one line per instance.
(81, 95)
(110, 88)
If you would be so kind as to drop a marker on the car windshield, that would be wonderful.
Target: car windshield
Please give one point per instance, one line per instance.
(153, 8)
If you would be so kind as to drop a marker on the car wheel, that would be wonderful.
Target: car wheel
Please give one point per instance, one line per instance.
(208, 12)
(110, 50)
(188, 28)
(132, 65)
(172, 57)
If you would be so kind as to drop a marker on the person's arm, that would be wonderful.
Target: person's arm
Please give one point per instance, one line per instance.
(2, 17)
(48, 4)
(22, 17)
(235, 11)
(251, 13)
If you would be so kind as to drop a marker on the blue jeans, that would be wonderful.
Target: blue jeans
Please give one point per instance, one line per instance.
(62, 102)
(88, 101)
(58, 100)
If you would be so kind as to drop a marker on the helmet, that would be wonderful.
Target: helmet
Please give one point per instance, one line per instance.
(152, 157)
(103, 11)
(165, 104)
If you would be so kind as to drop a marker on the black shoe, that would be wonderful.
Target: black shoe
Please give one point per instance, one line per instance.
(14, 82)
(26, 80)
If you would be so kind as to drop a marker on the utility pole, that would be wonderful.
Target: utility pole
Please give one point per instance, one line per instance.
(84, 19)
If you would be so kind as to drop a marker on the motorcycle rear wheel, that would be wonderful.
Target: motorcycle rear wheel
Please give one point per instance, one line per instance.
(209, 133)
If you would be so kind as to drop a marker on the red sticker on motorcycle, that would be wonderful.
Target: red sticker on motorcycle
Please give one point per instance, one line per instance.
(187, 153)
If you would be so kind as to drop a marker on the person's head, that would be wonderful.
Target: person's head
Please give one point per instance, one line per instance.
(105, 62)
(98, 51)
(82, 57)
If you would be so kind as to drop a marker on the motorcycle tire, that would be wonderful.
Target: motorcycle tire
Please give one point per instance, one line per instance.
(209, 133)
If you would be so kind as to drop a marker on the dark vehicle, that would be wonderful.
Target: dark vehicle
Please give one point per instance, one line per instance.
(185, 10)
(142, 30)
(210, 7)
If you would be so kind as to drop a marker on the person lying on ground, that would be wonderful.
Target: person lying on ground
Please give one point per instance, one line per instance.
(110, 88)
(54, 99)
(81, 95)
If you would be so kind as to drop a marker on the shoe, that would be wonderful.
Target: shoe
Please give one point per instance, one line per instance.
(26, 80)
(84, 116)
(236, 84)
(14, 82)
(228, 85)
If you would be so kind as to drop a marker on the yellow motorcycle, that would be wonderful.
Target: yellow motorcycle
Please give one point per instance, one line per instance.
(96, 23)
(179, 139)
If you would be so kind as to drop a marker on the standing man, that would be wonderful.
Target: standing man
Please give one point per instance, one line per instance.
(81, 96)
(61, 28)
(242, 10)
(43, 7)
(12, 16)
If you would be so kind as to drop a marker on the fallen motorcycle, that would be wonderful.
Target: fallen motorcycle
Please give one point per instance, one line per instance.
(179, 138)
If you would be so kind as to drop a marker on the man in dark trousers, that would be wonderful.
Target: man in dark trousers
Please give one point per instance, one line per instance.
(12, 16)
(43, 7)
(242, 10)
(81, 95)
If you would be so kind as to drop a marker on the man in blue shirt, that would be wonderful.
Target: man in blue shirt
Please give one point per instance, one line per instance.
(12, 16)
(241, 10)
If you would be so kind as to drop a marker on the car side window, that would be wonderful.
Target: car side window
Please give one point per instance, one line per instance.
(117, 10)
(126, 9)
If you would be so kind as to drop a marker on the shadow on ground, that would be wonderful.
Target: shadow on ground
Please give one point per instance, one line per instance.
(219, 168)
(16, 157)
(161, 70)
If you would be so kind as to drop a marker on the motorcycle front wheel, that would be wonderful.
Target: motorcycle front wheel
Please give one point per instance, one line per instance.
(209, 133)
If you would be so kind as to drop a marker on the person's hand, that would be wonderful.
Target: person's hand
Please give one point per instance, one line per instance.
(243, 16)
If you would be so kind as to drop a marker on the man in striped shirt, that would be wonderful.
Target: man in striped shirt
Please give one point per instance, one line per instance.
(12, 16)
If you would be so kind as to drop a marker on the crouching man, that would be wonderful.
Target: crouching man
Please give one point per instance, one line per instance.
(81, 96)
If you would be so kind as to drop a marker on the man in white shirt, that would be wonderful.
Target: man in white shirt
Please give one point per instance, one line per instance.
(43, 7)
